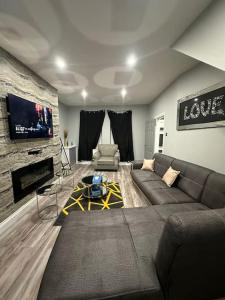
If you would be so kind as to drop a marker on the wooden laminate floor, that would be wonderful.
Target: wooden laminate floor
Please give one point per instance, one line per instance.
(26, 242)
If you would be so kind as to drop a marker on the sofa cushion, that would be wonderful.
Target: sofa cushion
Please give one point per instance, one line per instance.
(191, 179)
(148, 164)
(170, 176)
(107, 149)
(162, 163)
(109, 217)
(214, 191)
(98, 262)
(147, 186)
(167, 210)
(170, 195)
(146, 227)
(190, 259)
(106, 160)
(143, 175)
(142, 215)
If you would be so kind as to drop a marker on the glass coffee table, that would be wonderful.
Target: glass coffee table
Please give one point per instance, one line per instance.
(88, 194)
(87, 180)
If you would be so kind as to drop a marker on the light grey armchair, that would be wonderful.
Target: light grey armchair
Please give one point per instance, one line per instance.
(106, 157)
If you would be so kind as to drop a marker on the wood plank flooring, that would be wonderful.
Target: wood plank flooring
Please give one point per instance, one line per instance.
(26, 242)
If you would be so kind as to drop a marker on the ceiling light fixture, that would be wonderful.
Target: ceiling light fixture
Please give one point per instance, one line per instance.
(123, 93)
(60, 63)
(131, 60)
(84, 94)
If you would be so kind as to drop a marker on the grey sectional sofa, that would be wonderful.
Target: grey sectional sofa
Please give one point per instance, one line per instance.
(173, 250)
(195, 184)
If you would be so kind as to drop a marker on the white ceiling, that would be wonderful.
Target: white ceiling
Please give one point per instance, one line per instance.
(95, 37)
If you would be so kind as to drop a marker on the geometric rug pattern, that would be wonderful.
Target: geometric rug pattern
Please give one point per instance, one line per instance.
(77, 201)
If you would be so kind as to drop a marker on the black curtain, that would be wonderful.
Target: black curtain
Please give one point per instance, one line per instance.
(90, 129)
(121, 126)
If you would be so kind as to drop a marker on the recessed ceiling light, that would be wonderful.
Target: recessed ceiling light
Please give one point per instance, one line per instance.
(131, 60)
(123, 93)
(84, 94)
(60, 63)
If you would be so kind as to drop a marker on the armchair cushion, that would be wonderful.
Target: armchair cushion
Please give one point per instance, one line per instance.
(106, 160)
(107, 149)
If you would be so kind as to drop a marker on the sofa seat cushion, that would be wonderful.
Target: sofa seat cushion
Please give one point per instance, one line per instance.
(141, 215)
(143, 175)
(98, 262)
(109, 217)
(147, 187)
(106, 160)
(169, 196)
(165, 211)
(146, 227)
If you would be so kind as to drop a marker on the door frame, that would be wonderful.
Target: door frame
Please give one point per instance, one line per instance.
(156, 133)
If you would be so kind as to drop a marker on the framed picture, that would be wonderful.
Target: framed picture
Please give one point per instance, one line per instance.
(205, 109)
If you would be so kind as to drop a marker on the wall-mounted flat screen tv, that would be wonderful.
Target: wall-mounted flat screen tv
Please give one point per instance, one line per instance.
(28, 119)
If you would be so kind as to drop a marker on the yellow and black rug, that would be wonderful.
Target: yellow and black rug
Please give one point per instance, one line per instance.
(77, 201)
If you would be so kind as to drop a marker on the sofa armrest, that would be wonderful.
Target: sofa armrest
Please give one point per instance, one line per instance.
(117, 155)
(96, 154)
(191, 250)
(136, 164)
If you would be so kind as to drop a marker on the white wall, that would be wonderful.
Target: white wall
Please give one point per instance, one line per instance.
(205, 147)
(205, 38)
(70, 118)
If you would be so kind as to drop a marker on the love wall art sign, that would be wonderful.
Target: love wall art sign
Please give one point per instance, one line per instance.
(202, 111)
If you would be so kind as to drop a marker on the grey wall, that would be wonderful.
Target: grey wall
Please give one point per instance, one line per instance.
(63, 119)
(204, 39)
(15, 78)
(70, 117)
(202, 146)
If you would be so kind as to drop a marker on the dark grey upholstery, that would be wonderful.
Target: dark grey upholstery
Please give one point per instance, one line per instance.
(122, 253)
(174, 251)
(194, 183)
(146, 227)
(164, 211)
(191, 179)
(144, 175)
(92, 261)
(191, 256)
(162, 163)
(214, 192)
(137, 164)
(168, 196)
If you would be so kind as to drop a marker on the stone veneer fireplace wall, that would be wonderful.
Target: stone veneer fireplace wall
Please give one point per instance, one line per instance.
(15, 78)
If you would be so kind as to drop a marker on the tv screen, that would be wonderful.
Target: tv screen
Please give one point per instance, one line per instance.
(28, 119)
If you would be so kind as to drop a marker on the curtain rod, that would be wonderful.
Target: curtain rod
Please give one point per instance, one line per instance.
(120, 111)
(115, 111)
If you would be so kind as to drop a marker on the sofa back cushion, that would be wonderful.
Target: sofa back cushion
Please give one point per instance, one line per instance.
(213, 194)
(107, 149)
(190, 258)
(191, 179)
(162, 163)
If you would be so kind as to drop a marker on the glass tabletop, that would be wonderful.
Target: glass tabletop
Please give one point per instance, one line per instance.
(88, 179)
(95, 192)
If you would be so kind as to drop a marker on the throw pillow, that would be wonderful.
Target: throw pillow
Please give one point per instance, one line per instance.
(148, 164)
(170, 176)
